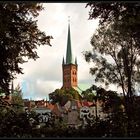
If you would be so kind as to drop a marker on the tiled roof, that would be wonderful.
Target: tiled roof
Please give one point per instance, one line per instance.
(50, 106)
(56, 110)
(78, 104)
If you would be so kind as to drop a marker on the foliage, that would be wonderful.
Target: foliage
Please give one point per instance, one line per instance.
(62, 95)
(119, 22)
(112, 11)
(112, 102)
(88, 95)
(13, 125)
(124, 54)
(19, 38)
(118, 36)
(17, 125)
(116, 49)
(17, 101)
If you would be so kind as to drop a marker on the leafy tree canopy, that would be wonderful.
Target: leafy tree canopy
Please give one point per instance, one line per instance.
(17, 100)
(116, 49)
(19, 38)
(111, 11)
(62, 95)
(89, 95)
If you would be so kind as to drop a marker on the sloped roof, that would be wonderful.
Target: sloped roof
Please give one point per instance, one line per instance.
(67, 105)
(56, 110)
(50, 106)
(82, 87)
(88, 104)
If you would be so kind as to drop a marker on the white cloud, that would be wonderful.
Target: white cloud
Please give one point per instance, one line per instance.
(45, 74)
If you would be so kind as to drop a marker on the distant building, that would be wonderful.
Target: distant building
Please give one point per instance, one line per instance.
(44, 114)
(72, 112)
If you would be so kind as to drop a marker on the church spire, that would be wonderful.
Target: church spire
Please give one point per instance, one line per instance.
(76, 61)
(69, 59)
(69, 66)
(63, 62)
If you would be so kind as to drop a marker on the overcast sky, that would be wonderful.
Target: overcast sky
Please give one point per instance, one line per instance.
(44, 75)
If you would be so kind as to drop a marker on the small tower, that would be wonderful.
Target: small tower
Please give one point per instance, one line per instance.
(69, 66)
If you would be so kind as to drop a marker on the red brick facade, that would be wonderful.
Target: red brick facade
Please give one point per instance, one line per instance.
(69, 76)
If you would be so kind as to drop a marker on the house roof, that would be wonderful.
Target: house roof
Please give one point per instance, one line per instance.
(50, 106)
(78, 104)
(88, 104)
(56, 110)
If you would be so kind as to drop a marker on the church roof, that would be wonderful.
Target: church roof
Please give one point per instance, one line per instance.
(69, 55)
(69, 58)
(82, 87)
(78, 89)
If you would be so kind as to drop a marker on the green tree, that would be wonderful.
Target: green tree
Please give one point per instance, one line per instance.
(74, 93)
(114, 123)
(89, 95)
(116, 48)
(17, 100)
(19, 38)
(62, 96)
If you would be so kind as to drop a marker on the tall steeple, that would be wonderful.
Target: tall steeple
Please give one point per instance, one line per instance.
(69, 57)
(69, 66)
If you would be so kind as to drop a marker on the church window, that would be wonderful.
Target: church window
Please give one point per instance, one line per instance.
(73, 73)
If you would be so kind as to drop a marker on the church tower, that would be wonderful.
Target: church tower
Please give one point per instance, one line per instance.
(69, 66)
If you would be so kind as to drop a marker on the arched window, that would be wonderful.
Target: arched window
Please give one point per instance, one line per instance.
(73, 72)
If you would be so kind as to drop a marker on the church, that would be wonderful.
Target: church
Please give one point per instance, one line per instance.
(69, 66)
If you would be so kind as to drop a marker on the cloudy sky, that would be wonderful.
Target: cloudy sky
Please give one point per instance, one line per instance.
(44, 75)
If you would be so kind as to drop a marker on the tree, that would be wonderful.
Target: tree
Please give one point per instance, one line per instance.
(117, 37)
(16, 100)
(88, 95)
(111, 11)
(114, 124)
(62, 96)
(19, 38)
(122, 19)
